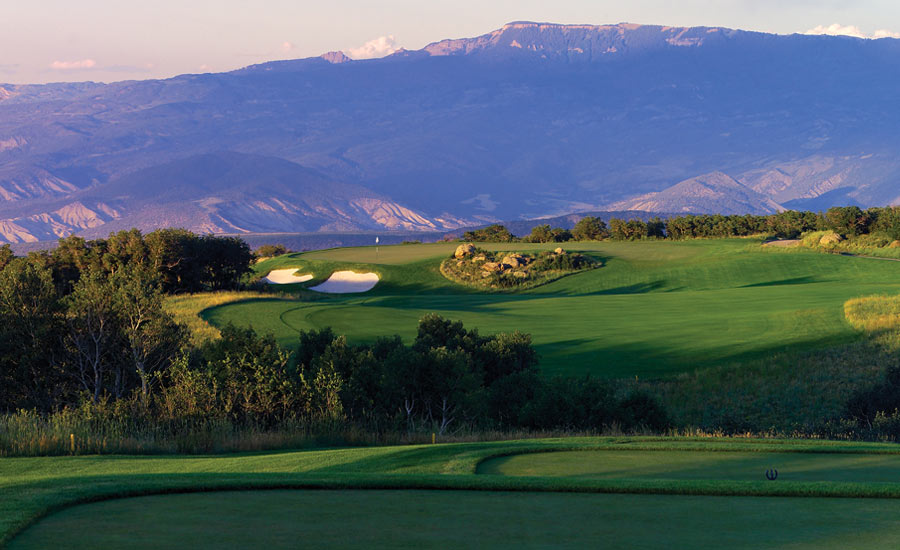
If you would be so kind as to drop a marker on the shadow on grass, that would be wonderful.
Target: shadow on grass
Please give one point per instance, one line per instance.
(638, 288)
(783, 282)
(656, 362)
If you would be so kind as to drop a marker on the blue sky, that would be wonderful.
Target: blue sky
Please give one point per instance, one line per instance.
(106, 40)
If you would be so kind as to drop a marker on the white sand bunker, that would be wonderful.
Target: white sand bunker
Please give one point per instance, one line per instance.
(285, 277)
(346, 282)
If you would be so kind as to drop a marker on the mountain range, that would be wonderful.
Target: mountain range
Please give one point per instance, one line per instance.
(530, 120)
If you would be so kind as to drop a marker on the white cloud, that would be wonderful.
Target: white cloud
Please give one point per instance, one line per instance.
(73, 65)
(379, 47)
(836, 29)
(884, 33)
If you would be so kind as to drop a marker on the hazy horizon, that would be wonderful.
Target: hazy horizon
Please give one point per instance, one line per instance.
(103, 40)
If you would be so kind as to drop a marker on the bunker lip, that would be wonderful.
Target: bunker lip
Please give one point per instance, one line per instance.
(285, 277)
(347, 282)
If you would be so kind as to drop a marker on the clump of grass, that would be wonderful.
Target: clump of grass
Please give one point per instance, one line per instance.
(873, 313)
(186, 309)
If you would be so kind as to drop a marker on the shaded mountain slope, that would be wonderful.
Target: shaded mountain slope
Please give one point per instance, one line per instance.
(224, 192)
(530, 120)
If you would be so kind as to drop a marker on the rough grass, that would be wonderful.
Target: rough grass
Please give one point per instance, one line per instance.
(873, 313)
(32, 487)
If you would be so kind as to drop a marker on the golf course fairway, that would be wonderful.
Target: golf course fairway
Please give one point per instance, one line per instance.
(466, 519)
(652, 309)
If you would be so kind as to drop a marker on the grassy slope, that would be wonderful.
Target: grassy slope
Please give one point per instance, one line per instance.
(434, 519)
(655, 308)
(30, 487)
(747, 466)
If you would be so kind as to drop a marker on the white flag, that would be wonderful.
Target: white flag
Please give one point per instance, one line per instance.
(376, 240)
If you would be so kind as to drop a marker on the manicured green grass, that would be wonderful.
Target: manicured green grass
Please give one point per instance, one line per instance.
(653, 309)
(747, 466)
(33, 487)
(441, 519)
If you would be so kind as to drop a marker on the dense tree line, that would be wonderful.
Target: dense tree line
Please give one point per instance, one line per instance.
(846, 220)
(86, 320)
(448, 377)
(180, 260)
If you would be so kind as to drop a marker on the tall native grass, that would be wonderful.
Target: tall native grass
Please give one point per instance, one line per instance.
(186, 309)
(876, 245)
(120, 428)
(110, 428)
(873, 313)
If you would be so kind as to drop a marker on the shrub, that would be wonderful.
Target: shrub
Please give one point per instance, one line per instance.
(270, 250)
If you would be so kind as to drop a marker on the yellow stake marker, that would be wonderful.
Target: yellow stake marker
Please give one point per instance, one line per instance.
(432, 438)
(72, 440)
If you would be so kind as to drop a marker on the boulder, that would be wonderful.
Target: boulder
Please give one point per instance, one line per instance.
(515, 260)
(464, 250)
(830, 238)
(491, 266)
(894, 244)
(479, 258)
(520, 274)
(559, 251)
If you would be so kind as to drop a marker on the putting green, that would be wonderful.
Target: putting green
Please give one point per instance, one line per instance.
(653, 309)
(463, 519)
(734, 466)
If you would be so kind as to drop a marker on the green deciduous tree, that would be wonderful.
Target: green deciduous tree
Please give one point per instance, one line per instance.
(150, 336)
(491, 234)
(590, 228)
(31, 329)
(93, 336)
(6, 256)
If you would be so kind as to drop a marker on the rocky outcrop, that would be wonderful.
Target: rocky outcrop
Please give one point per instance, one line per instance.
(515, 260)
(464, 250)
